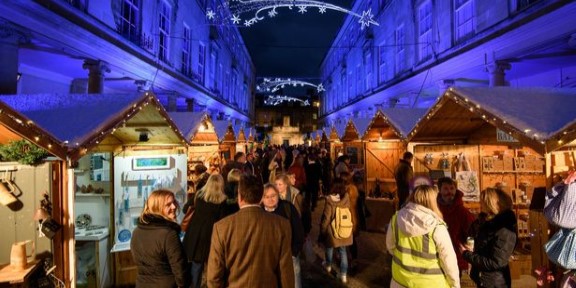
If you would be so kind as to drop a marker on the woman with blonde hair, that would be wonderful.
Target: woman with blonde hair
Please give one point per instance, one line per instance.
(156, 246)
(210, 207)
(495, 241)
(418, 239)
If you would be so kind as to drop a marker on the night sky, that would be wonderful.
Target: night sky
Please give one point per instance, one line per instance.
(293, 44)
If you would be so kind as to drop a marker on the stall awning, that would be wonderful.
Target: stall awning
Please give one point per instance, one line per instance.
(15, 126)
(224, 131)
(195, 126)
(361, 125)
(82, 121)
(403, 119)
(340, 128)
(542, 118)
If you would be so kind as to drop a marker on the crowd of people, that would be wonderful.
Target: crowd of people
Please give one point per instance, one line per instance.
(252, 220)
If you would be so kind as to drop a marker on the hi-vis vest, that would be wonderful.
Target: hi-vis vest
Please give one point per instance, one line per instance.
(415, 261)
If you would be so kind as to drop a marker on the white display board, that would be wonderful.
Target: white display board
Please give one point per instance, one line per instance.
(135, 178)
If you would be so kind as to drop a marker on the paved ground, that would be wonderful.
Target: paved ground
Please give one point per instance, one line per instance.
(373, 266)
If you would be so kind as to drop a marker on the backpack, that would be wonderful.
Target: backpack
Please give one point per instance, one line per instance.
(342, 223)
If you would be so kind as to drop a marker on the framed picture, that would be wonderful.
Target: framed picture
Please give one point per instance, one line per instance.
(151, 163)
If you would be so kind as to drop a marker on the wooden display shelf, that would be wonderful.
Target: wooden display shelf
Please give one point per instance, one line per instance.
(513, 171)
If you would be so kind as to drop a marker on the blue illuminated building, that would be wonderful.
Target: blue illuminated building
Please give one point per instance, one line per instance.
(423, 47)
(120, 46)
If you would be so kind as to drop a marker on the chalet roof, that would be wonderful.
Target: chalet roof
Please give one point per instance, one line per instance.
(403, 119)
(15, 126)
(361, 125)
(188, 122)
(543, 118)
(83, 120)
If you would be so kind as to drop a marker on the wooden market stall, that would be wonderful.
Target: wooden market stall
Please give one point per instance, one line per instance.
(384, 143)
(241, 140)
(334, 140)
(122, 147)
(384, 139)
(203, 145)
(512, 137)
(26, 183)
(227, 139)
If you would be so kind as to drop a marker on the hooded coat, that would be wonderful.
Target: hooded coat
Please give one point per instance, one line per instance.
(493, 247)
(417, 220)
(333, 201)
(459, 220)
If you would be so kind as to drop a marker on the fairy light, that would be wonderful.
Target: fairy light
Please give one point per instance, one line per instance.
(274, 100)
(230, 11)
(274, 85)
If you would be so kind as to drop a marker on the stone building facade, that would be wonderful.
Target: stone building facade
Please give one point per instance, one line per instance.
(423, 47)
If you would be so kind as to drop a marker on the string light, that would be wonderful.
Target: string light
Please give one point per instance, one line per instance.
(274, 85)
(274, 100)
(230, 11)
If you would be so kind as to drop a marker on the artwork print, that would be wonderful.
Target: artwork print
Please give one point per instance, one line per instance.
(469, 185)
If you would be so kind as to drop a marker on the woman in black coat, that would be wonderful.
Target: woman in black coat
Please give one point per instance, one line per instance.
(210, 207)
(495, 241)
(156, 246)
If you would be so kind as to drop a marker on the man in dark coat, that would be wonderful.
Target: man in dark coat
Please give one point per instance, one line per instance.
(251, 248)
(403, 174)
(457, 217)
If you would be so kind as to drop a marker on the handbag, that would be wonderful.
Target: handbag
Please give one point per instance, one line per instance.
(561, 248)
(560, 206)
(187, 218)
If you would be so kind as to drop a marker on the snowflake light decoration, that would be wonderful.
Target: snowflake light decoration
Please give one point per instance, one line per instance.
(274, 85)
(261, 8)
(274, 100)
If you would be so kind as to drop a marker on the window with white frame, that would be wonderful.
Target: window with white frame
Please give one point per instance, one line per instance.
(351, 85)
(359, 81)
(344, 88)
(425, 30)
(382, 67)
(130, 20)
(400, 49)
(367, 55)
(186, 65)
(164, 31)
(463, 19)
(213, 66)
(201, 62)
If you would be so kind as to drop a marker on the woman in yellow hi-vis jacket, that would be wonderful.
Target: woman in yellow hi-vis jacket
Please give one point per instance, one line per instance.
(418, 239)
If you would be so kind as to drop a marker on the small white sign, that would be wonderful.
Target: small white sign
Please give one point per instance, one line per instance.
(502, 136)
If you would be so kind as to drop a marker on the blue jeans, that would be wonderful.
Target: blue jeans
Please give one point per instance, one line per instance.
(343, 259)
(197, 268)
(297, 273)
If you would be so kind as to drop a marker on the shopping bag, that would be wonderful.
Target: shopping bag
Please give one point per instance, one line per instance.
(560, 206)
(561, 248)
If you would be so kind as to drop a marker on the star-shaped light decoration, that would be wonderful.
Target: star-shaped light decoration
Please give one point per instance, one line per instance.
(320, 88)
(366, 18)
(235, 19)
(228, 9)
(210, 14)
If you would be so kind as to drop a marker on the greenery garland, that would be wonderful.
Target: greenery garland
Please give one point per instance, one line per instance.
(24, 152)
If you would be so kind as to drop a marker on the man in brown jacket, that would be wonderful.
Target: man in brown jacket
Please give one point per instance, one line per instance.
(251, 248)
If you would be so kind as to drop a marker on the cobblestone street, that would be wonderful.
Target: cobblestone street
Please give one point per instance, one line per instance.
(373, 268)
